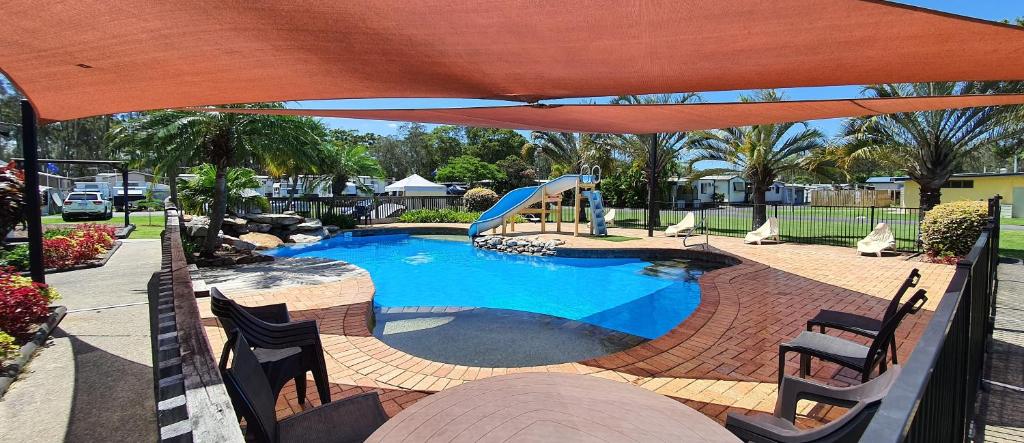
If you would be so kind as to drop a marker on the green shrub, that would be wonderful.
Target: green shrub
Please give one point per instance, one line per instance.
(342, 221)
(17, 257)
(438, 216)
(950, 229)
(57, 232)
(8, 349)
(480, 199)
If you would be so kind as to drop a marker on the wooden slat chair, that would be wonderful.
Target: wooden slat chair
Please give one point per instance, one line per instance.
(285, 349)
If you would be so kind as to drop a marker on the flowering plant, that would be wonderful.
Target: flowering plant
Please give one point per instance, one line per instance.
(83, 243)
(23, 303)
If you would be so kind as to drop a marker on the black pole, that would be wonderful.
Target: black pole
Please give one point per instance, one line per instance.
(33, 215)
(652, 181)
(124, 189)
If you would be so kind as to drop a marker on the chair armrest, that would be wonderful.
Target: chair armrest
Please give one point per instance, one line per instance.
(275, 313)
(795, 389)
(756, 428)
(350, 419)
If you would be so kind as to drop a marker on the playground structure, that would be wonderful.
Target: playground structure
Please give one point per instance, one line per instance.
(549, 196)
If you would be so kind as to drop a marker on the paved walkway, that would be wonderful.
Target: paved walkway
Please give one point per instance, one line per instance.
(94, 380)
(1002, 403)
(722, 358)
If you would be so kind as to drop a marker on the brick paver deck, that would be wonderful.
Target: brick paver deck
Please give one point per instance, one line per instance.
(723, 358)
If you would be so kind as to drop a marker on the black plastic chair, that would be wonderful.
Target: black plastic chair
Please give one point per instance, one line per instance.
(847, 353)
(285, 349)
(352, 419)
(862, 400)
(863, 325)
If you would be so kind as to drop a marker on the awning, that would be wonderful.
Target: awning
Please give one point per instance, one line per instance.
(87, 57)
(645, 119)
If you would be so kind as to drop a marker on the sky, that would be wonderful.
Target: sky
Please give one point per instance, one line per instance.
(995, 10)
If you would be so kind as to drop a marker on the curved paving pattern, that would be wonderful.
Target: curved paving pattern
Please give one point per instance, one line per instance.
(722, 358)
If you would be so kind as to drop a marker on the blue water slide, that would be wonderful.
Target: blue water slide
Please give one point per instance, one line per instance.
(597, 212)
(519, 199)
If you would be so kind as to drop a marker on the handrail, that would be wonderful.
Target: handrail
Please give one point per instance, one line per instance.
(191, 397)
(923, 405)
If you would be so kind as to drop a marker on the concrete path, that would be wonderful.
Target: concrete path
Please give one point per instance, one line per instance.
(94, 381)
(1002, 402)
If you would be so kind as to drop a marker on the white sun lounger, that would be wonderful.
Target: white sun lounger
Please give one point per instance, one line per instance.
(880, 239)
(769, 230)
(684, 227)
(609, 218)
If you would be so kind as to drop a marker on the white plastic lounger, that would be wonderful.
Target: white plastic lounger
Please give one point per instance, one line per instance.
(684, 227)
(769, 230)
(880, 239)
(609, 218)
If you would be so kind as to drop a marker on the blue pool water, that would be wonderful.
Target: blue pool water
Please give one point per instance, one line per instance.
(626, 295)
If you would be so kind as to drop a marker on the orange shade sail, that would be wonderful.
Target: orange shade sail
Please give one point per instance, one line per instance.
(646, 119)
(91, 57)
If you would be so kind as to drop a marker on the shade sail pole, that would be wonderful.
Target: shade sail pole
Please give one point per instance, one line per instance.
(652, 181)
(33, 214)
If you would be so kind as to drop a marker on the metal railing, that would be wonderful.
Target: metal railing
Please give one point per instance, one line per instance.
(828, 225)
(933, 399)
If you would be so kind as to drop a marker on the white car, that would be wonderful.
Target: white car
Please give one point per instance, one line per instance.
(87, 205)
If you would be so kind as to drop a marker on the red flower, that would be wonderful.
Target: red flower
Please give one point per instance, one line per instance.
(21, 306)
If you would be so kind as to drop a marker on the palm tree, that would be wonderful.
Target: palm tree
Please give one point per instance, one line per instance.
(930, 146)
(221, 139)
(568, 150)
(760, 153)
(342, 161)
(637, 148)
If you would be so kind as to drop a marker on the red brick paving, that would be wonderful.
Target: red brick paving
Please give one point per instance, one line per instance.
(722, 358)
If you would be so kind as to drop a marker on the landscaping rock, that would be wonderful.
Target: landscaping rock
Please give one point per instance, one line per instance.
(198, 226)
(518, 245)
(260, 227)
(276, 219)
(262, 241)
(303, 238)
(237, 243)
(332, 229)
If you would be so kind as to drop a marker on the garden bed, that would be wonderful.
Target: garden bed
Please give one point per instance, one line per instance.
(10, 369)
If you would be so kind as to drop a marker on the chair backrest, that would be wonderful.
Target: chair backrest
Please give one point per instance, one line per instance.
(610, 215)
(894, 304)
(866, 399)
(882, 233)
(259, 333)
(689, 221)
(880, 345)
(773, 226)
(250, 391)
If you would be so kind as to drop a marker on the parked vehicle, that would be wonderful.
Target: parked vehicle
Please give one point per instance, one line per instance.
(87, 205)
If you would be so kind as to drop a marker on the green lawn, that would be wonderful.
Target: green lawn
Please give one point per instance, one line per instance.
(1011, 243)
(1012, 221)
(146, 226)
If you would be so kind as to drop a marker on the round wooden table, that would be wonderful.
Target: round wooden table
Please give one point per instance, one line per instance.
(549, 407)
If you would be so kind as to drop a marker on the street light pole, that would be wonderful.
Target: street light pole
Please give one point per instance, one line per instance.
(33, 215)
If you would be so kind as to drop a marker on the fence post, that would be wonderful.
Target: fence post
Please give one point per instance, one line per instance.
(872, 226)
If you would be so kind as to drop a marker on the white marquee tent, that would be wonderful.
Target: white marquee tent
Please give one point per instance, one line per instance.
(416, 186)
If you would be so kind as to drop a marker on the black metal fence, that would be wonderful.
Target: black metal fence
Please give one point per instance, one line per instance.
(933, 399)
(828, 225)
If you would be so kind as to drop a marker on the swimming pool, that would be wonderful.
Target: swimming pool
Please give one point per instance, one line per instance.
(626, 295)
